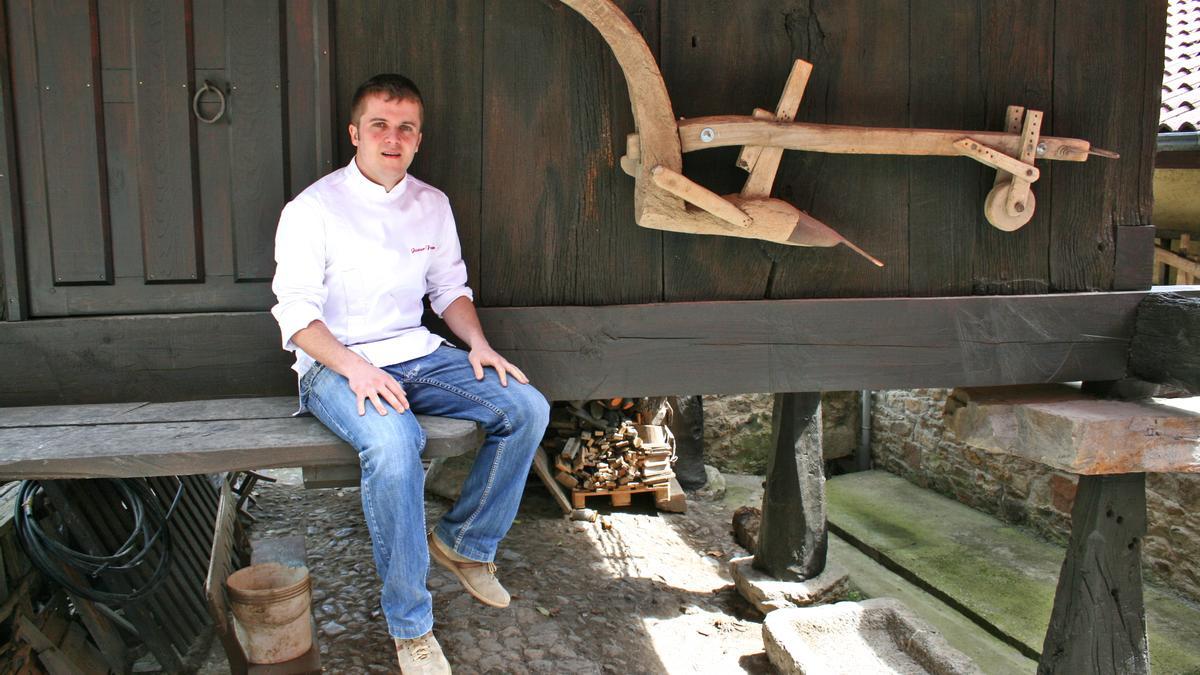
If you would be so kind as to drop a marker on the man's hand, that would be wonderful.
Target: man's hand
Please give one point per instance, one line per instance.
(486, 356)
(369, 382)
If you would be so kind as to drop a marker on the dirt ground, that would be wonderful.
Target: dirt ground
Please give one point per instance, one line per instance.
(638, 591)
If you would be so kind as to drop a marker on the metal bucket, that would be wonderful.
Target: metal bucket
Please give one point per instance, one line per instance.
(271, 607)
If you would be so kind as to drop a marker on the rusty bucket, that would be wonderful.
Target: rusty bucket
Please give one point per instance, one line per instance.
(271, 607)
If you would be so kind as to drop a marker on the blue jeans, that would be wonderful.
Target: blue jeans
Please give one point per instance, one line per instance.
(393, 482)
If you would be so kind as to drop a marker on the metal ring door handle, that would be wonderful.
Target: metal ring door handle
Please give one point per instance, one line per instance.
(208, 86)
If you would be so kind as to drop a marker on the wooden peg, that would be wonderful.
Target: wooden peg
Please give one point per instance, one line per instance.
(700, 197)
(1012, 125)
(997, 160)
(762, 174)
(1018, 195)
(632, 160)
(749, 155)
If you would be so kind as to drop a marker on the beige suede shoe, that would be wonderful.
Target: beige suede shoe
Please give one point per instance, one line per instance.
(479, 578)
(421, 656)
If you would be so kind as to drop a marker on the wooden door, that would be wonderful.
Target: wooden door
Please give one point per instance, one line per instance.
(130, 202)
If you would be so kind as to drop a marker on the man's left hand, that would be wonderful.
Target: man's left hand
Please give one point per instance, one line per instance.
(486, 356)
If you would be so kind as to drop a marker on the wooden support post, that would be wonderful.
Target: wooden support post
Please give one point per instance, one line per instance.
(1099, 621)
(793, 538)
(1183, 247)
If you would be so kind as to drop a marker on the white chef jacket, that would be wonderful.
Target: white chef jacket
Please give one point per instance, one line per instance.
(360, 259)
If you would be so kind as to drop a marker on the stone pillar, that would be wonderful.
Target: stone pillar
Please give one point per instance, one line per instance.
(793, 538)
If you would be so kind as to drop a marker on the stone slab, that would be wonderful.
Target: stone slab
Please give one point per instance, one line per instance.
(997, 574)
(1062, 427)
(877, 636)
(768, 594)
(871, 580)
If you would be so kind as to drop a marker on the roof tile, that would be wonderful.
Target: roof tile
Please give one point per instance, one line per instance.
(1180, 109)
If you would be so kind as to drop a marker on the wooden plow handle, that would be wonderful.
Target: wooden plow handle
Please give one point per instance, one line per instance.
(665, 199)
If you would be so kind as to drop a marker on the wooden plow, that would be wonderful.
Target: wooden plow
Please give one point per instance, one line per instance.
(665, 199)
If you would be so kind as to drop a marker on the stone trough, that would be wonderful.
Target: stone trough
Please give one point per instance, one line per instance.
(874, 636)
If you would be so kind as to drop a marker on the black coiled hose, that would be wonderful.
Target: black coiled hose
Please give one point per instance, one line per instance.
(149, 528)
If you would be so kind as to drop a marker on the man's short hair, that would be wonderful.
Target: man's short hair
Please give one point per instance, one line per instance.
(389, 85)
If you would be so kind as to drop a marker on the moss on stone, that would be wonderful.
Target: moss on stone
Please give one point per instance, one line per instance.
(1002, 574)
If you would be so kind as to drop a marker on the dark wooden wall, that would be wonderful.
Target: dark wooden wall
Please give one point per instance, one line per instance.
(128, 203)
(115, 201)
(528, 114)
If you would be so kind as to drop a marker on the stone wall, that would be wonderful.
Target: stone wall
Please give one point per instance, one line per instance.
(908, 439)
(737, 429)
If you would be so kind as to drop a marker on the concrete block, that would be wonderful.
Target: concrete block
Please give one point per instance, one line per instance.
(874, 636)
(769, 594)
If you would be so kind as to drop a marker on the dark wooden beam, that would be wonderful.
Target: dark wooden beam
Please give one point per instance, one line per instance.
(817, 345)
(1163, 349)
(1098, 624)
(1134, 258)
(793, 538)
(617, 350)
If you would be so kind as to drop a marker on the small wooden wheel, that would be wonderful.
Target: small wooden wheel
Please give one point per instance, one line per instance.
(996, 210)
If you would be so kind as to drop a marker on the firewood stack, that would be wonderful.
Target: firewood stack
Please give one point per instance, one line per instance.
(600, 446)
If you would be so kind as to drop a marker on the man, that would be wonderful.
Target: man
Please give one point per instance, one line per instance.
(356, 253)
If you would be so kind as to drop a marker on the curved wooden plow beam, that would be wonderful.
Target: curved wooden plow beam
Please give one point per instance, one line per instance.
(665, 199)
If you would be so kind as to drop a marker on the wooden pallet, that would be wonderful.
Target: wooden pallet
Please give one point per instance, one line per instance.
(620, 496)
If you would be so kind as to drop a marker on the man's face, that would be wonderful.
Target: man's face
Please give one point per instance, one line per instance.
(387, 135)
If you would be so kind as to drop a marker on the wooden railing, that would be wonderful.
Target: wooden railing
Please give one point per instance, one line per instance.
(1174, 264)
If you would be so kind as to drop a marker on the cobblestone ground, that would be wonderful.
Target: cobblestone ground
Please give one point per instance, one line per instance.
(638, 591)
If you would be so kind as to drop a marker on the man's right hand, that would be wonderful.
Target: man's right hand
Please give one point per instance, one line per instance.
(366, 381)
(369, 382)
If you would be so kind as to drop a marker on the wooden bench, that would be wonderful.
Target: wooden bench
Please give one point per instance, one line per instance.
(124, 440)
(127, 440)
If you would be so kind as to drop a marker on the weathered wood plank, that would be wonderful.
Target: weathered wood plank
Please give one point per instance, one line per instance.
(451, 81)
(31, 161)
(1134, 265)
(124, 194)
(1018, 71)
(310, 94)
(71, 109)
(944, 195)
(708, 347)
(1163, 349)
(1072, 431)
(1153, 42)
(1099, 620)
(573, 225)
(175, 448)
(221, 564)
(793, 537)
(255, 107)
(169, 209)
(12, 230)
(697, 39)
(214, 142)
(1091, 93)
(860, 55)
(815, 345)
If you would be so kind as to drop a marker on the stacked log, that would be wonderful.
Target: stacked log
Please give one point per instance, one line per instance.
(595, 450)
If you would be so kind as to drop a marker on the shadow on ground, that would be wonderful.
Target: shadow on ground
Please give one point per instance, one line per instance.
(637, 591)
